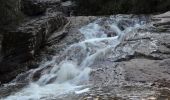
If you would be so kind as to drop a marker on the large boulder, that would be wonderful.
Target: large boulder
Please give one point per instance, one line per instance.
(21, 45)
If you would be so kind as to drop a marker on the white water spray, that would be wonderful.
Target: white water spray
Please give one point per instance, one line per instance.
(72, 73)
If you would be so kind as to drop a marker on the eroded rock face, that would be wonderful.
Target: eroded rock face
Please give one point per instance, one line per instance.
(44, 17)
(21, 45)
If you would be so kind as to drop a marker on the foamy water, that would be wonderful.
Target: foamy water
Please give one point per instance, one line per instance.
(71, 75)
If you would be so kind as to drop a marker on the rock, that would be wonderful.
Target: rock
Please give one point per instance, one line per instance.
(141, 59)
(162, 22)
(51, 35)
(144, 70)
(37, 7)
(52, 6)
(123, 24)
(67, 7)
(6, 91)
(32, 8)
(127, 71)
(111, 34)
(73, 36)
(144, 53)
(21, 45)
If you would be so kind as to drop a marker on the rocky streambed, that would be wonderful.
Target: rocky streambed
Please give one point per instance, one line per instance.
(119, 57)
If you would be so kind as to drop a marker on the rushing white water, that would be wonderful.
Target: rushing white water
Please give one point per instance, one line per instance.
(72, 73)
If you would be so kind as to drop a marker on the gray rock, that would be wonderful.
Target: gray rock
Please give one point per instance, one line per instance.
(144, 53)
(140, 59)
(162, 22)
(21, 45)
(125, 72)
(73, 37)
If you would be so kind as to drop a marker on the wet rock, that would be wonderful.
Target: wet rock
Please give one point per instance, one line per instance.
(73, 36)
(141, 58)
(111, 34)
(21, 45)
(127, 71)
(144, 70)
(58, 45)
(123, 24)
(9, 89)
(106, 73)
(143, 55)
(162, 22)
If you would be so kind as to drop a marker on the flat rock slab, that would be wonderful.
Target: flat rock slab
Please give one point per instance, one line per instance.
(145, 70)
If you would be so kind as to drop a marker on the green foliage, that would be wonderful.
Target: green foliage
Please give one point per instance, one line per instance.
(106, 7)
(9, 12)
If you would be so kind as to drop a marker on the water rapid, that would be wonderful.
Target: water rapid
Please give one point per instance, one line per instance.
(71, 74)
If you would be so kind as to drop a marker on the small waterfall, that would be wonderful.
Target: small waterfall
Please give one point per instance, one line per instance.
(71, 74)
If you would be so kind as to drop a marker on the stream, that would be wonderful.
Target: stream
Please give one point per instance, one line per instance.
(71, 73)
